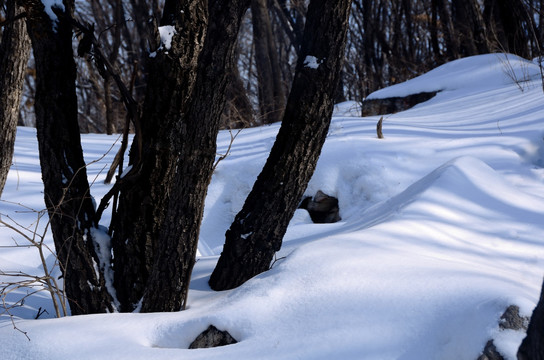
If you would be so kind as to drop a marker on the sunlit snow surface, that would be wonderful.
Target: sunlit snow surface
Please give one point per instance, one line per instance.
(442, 229)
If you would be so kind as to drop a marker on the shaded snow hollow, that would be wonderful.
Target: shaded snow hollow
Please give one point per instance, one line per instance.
(441, 230)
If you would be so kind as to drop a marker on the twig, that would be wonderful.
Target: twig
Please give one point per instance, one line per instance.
(223, 157)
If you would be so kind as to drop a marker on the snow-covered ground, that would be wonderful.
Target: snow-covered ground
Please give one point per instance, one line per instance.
(442, 228)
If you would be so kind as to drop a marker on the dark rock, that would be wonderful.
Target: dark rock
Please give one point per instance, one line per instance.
(322, 208)
(394, 104)
(512, 320)
(490, 352)
(212, 337)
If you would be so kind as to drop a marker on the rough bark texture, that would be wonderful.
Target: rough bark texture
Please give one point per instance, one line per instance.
(257, 231)
(196, 139)
(14, 53)
(160, 209)
(146, 188)
(66, 189)
(532, 347)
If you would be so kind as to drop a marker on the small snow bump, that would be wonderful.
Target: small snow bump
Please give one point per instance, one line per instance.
(312, 62)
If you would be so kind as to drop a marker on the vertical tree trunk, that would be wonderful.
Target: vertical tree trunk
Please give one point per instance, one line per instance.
(470, 27)
(532, 347)
(14, 53)
(450, 37)
(161, 203)
(271, 93)
(66, 189)
(238, 112)
(110, 111)
(257, 231)
(146, 187)
(513, 17)
(196, 137)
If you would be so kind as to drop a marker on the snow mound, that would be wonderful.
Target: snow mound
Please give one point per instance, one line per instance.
(477, 73)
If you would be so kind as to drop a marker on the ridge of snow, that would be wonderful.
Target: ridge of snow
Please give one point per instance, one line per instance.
(478, 73)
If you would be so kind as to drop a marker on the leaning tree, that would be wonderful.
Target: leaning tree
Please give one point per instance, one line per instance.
(258, 229)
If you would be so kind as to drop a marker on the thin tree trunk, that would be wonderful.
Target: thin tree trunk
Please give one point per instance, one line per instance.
(108, 102)
(238, 112)
(470, 27)
(450, 36)
(513, 17)
(257, 231)
(14, 54)
(66, 189)
(271, 93)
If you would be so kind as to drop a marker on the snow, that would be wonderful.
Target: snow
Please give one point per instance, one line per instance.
(49, 5)
(166, 33)
(312, 62)
(478, 73)
(441, 230)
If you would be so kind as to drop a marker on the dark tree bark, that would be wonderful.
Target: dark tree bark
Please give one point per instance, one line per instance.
(195, 137)
(532, 347)
(142, 200)
(161, 203)
(66, 189)
(451, 40)
(512, 25)
(111, 116)
(257, 231)
(470, 27)
(14, 53)
(271, 93)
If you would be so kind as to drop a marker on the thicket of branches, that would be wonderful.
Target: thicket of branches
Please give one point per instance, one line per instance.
(388, 42)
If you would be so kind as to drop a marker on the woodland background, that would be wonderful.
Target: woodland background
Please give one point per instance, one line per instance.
(388, 42)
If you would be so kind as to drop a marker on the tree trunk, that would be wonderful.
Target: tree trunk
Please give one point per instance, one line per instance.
(450, 38)
(271, 93)
(532, 347)
(257, 231)
(196, 138)
(238, 112)
(513, 17)
(66, 189)
(108, 102)
(470, 27)
(145, 189)
(162, 199)
(14, 54)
